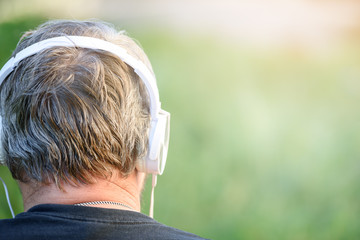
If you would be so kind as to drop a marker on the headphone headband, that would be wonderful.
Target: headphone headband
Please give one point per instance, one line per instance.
(92, 43)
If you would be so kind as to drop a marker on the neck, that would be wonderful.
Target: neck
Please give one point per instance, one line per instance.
(115, 189)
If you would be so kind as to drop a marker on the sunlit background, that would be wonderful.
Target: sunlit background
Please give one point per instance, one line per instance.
(264, 97)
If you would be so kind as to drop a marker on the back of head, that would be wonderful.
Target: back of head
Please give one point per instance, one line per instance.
(71, 114)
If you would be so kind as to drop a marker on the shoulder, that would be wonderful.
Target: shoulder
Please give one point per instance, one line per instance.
(161, 231)
(147, 228)
(44, 222)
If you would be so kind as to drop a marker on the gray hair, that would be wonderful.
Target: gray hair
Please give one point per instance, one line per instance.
(70, 114)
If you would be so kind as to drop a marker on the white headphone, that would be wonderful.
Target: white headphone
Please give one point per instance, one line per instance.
(160, 120)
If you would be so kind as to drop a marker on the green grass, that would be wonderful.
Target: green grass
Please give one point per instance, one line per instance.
(264, 144)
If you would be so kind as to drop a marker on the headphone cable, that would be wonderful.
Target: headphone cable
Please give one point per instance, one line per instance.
(8, 198)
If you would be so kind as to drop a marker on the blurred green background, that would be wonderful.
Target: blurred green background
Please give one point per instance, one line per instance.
(265, 135)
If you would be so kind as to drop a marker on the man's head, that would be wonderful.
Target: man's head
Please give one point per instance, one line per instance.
(70, 114)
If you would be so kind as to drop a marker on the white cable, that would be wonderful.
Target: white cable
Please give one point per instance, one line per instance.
(153, 185)
(8, 198)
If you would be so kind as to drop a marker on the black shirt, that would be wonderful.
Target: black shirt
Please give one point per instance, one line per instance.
(69, 222)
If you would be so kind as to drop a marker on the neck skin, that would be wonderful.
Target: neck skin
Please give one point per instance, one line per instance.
(115, 189)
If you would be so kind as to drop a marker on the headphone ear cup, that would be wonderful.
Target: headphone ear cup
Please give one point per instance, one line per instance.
(155, 160)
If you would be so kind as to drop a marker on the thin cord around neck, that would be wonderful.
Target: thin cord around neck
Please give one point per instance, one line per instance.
(103, 202)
